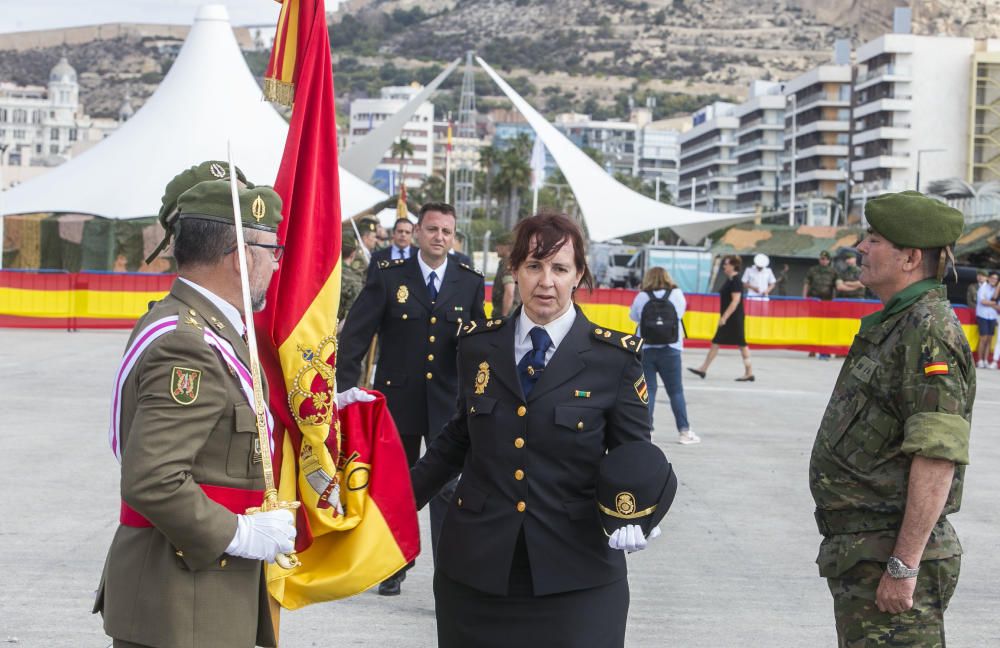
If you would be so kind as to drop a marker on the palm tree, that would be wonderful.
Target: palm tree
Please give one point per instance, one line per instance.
(513, 176)
(488, 158)
(402, 148)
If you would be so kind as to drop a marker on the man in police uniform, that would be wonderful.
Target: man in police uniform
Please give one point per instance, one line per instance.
(416, 307)
(184, 568)
(889, 459)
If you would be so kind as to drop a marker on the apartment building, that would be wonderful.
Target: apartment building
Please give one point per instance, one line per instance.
(984, 115)
(818, 120)
(911, 103)
(759, 142)
(367, 114)
(708, 160)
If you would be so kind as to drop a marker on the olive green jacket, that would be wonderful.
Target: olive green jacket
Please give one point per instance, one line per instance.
(905, 389)
(171, 584)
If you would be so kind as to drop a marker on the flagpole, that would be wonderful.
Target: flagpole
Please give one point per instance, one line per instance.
(270, 503)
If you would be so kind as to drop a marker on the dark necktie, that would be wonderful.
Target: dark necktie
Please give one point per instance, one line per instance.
(401, 253)
(532, 365)
(431, 287)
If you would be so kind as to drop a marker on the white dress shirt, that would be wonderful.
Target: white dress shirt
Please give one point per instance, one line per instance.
(400, 253)
(438, 271)
(757, 280)
(557, 330)
(228, 310)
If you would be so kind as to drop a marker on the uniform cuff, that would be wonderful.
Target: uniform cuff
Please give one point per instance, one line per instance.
(937, 435)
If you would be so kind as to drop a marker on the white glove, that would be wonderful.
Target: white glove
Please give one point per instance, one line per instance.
(262, 536)
(353, 395)
(631, 538)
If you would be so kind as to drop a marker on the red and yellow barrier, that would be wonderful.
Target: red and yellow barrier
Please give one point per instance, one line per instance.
(116, 300)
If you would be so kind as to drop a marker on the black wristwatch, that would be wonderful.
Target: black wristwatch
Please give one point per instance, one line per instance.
(898, 569)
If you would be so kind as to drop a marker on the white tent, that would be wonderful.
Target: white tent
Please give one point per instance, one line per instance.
(208, 98)
(609, 208)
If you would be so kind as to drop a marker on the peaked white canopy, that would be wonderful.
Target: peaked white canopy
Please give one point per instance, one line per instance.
(609, 208)
(209, 97)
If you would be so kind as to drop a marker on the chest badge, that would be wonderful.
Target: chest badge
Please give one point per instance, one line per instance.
(402, 294)
(482, 378)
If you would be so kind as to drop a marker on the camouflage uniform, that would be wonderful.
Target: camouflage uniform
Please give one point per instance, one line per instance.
(351, 282)
(822, 281)
(851, 273)
(906, 388)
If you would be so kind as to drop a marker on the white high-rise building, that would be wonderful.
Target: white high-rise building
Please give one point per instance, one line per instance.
(708, 160)
(759, 142)
(911, 111)
(367, 114)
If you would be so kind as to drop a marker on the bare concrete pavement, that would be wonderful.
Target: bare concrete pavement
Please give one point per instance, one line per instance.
(733, 568)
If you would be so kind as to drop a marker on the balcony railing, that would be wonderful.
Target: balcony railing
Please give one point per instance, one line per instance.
(890, 69)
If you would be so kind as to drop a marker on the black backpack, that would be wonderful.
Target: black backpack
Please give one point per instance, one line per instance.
(658, 321)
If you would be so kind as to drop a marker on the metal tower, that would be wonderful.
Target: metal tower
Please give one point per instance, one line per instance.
(465, 151)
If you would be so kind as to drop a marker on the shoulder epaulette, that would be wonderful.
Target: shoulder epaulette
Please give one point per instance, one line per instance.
(479, 326)
(471, 269)
(382, 265)
(623, 341)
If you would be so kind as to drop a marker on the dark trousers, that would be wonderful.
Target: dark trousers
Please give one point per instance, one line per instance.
(439, 504)
(666, 362)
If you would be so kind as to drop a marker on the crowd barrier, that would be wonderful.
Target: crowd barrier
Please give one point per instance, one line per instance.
(92, 300)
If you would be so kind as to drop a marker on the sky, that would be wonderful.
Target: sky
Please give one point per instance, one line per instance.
(29, 15)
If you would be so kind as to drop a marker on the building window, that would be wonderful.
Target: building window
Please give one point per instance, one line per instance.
(38, 149)
(3, 114)
(72, 134)
(3, 133)
(18, 134)
(36, 117)
(54, 149)
(54, 134)
(20, 116)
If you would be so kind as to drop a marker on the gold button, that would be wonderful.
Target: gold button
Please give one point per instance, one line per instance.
(518, 474)
(521, 506)
(579, 425)
(459, 501)
(518, 442)
(405, 316)
(388, 382)
(223, 562)
(434, 320)
(431, 338)
(599, 331)
(179, 553)
(429, 375)
(522, 410)
(430, 357)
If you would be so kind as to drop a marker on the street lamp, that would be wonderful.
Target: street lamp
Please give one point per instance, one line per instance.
(919, 153)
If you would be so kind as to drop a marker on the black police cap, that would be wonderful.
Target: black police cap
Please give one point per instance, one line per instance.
(635, 485)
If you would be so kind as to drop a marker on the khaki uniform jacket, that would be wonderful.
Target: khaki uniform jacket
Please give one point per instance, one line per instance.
(171, 585)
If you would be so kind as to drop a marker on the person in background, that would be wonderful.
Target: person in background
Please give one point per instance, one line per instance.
(504, 297)
(352, 279)
(658, 309)
(402, 245)
(758, 280)
(730, 330)
(457, 247)
(849, 284)
(972, 292)
(820, 283)
(381, 237)
(986, 319)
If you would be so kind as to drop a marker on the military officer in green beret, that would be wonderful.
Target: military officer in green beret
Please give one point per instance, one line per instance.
(352, 279)
(889, 459)
(185, 566)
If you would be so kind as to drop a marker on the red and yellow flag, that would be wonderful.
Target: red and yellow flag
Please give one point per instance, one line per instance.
(357, 523)
(402, 212)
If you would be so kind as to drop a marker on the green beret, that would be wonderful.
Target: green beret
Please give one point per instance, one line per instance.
(911, 219)
(260, 207)
(209, 170)
(824, 255)
(367, 225)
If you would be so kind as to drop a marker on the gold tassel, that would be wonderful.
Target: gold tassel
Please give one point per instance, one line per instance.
(278, 91)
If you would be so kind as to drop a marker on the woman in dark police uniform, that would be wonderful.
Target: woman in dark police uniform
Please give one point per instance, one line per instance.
(543, 395)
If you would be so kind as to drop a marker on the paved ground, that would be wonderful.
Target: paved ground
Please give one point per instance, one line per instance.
(733, 568)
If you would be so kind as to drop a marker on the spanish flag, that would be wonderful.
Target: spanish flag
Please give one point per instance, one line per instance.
(402, 212)
(358, 523)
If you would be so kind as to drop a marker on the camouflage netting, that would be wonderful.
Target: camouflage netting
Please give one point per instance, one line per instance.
(783, 241)
(75, 242)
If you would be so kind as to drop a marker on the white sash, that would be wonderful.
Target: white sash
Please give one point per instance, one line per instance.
(143, 341)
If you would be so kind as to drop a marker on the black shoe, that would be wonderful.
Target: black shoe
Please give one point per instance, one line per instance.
(749, 378)
(697, 372)
(391, 585)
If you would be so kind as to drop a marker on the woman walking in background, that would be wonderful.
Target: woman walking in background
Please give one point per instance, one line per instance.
(658, 310)
(730, 330)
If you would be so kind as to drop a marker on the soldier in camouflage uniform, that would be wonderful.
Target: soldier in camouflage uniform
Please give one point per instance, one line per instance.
(889, 459)
(352, 278)
(821, 279)
(849, 280)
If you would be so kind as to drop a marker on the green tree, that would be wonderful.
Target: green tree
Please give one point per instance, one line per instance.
(514, 175)
(402, 149)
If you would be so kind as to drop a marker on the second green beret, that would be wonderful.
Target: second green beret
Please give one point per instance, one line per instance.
(208, 170)
(911, 219)
(260, 207)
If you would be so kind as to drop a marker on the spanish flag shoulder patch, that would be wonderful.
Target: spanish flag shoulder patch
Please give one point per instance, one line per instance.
(935, 368)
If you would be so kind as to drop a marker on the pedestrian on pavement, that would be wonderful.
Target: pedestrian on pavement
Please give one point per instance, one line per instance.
(730, 330)
(415, 306)
(986, 319)
(820, 283)
(658, 309)
(758, 279)
(889, 459)
(185, 565)
(543, 395)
